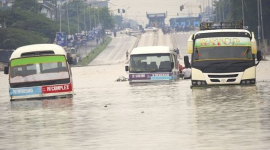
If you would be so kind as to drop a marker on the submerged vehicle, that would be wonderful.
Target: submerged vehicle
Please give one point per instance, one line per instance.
(223, 54)
(152, 63)
(39, 71)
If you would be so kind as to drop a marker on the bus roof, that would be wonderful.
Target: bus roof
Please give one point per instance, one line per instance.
(222, 30)
(151, 50)
(38, 48)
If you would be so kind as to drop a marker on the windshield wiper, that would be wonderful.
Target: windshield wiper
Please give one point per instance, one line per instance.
(213, 64)
(235, 63)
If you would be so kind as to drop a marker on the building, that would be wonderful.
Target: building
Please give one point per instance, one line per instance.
(156, 19)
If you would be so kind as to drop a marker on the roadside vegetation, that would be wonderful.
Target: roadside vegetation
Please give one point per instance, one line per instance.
(95, 52)
(232, 11)
(22, 24)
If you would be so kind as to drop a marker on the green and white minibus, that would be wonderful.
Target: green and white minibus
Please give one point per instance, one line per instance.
(39, 71)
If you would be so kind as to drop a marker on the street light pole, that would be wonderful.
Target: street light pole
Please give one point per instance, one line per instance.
(84, 18)
(60, 16)
(220, 19)
(78, 19)
(223, 10)
(262, 20)
(243, 14)
(90, 28)
(68, 19)
(259, 24)
(264, 44)
(95, 17)
(98, 16)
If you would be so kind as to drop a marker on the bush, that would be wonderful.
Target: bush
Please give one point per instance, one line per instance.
(12, 38)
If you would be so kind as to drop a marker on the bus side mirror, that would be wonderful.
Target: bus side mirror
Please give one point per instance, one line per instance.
(190, 45)
(172, 64)
(126, 68)
(186, 61)
(69, 59)
(259, 56)
(6, 70)
(253, 44)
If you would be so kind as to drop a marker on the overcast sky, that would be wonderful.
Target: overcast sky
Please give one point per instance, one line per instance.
(136, 9)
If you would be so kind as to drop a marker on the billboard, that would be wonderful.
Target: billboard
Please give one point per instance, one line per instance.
(70, 41)
(61, 39)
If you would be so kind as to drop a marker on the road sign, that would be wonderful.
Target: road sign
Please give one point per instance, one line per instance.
(61, 39)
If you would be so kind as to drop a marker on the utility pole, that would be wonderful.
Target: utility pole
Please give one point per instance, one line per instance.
(229, 5)
(68, 19)
(208, 7)
(61, 16)
(78, 19)
(243, 13)
(84, 18)
(223, 10)
(220, 18)
(259, 24)
(98, 16)
(264, 44)
(261, 20)
(203, 6)
(95, 17)
(90, 28)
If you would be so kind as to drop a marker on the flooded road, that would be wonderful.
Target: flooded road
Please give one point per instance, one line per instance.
(109, 115)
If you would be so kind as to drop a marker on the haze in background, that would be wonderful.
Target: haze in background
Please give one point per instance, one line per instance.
(136, 9)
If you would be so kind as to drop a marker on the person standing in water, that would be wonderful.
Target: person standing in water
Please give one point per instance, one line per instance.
(127, 55)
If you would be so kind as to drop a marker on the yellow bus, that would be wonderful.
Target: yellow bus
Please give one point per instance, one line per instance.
(222, 54)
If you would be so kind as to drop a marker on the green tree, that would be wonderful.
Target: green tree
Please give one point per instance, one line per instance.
(234, 13)
(27, 5)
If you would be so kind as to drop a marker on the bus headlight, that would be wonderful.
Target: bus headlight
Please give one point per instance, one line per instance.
(248, 81)
(198, 83)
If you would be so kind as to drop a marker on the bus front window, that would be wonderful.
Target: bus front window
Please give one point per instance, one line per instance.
(223, 53)
(150, 63)
(42, 68)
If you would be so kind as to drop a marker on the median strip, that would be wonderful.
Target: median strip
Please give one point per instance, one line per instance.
(95, 52)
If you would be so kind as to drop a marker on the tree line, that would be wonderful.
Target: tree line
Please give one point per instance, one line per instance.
(231, 11)
(26, 25)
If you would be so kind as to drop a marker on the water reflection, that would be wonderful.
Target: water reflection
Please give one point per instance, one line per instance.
(228, 115)
(116, 115)
(37, 104)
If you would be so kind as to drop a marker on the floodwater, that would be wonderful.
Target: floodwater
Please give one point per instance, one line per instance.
(109, 115)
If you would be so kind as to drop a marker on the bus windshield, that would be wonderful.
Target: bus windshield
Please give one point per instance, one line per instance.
(223, 53)
(41, 68)
(150, 63)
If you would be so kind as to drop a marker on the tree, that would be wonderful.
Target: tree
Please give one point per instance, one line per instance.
(250, 11)
(27, 5)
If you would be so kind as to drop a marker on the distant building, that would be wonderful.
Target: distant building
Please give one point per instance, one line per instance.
(47, 9)
(156, 19)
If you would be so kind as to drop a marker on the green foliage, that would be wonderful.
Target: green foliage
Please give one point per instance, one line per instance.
(26, 5)
(233, 12)
(93, 16)
(30, 22)
(26, 26)
(12, 38)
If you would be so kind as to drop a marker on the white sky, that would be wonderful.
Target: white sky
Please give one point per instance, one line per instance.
(136, 9)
